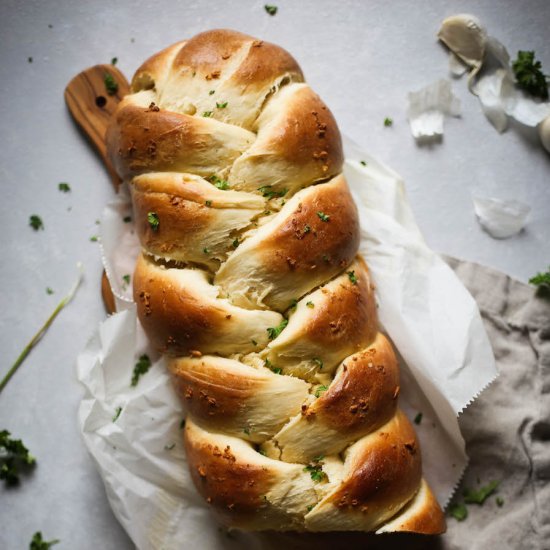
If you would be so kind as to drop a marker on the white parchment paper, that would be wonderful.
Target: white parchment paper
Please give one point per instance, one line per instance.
(431, 318)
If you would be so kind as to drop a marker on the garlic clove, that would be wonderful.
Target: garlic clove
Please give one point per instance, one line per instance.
(544, 133)
(466, 37)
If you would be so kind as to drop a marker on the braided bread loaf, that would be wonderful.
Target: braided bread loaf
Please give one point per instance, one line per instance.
(250, 283)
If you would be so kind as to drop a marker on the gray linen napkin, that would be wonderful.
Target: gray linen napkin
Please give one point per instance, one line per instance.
(507, 433)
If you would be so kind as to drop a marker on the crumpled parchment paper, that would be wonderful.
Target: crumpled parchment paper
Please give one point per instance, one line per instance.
(431, 318)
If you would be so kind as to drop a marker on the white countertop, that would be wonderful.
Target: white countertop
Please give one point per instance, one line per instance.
(361, 57)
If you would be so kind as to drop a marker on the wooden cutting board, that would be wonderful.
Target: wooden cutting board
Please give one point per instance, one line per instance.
(92, 106)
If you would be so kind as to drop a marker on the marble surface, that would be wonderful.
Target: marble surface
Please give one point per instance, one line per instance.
(361, 57)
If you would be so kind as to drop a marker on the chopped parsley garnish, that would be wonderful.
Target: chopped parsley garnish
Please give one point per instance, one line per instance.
(94, 239)
(277, 370)
(388, 121)
(236, 243)
(542, 281)
(207, 114)
(117, 413)
(293, 304)
(310, 507)
(169, 447)
(110, 84)
(182, 424)
(307, 229)
(218, 182)
(153, 219)
(37, 543)
(29, 59)
(13, 456)
(363, 162)
(221, 105)
(458, 511)
(323, 216)
(64, 187)
(310, 305)
(418, 418)
(127, 219)
(206, 250)
(114, 60)
(36, 222)
(352, 277)
(49, 290)
(126, 279)
(211, 92)
(529, 75)
(254, 343)
(500, 502)
(271, 9)
(320, 390)
(472, 496)
(319, 362)
(140, 368)
(273, 332)
(208, 203)
(315, 469)
(247, 431)
(267, 191)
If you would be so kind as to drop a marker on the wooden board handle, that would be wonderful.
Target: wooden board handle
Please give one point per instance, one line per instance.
(92, 106)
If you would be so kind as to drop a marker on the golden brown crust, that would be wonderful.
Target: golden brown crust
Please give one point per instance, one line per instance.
(363, 395)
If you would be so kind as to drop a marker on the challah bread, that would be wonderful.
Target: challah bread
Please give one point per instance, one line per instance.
(250, 283)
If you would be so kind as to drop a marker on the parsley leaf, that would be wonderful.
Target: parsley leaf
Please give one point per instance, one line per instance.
(271, 9)
(218, 182)
(388, 121)
(273, 332)
(320, 390)
(323, 216)
(37, 543)
(36, 222)
(153, 219)
(221, 105)
(472, 496)
(293, 304)
(94, 238)
(319, 362)
(267, 191)
(529, 75)
(126, 279)
(352, 277)
(207, 114)
(211, 92)
(363, 162)
(117, 414)
(499, 501)
(111, 84)
(13, 456)
(541, 279)
(127, 219)
(315, 469)
(141, 367)
(64, 187)
(208, 203)
(49, 290)
(236, 243)
(310, 305)
(418, 418)
(114, 60)
(458, 511)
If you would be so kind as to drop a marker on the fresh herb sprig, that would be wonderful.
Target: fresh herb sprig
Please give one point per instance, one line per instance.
(38, 543)
(529, 75)
(141, 367)
(273, 332)
(13, 456)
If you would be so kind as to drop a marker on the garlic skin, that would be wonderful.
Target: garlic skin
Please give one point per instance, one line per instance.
(544, 133)
(466, 37)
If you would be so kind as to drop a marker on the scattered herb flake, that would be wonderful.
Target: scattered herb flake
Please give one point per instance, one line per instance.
(206, 250)
(169, 447)
(221, 105)
(13, 456)
(36, 222)
(418, 418)
(320, 390)
(127, 219)
(271, 9)
(117, 413)
(293, 304)
(363, 162)
(126, 279)
(208, 203)
(29, 59)
(499, 501)
(114, 60)
(319, 362)
(352, 277)
(211, 92)
(254, 343)
(310, 507)
(49, 290)
(140, 368)
(273, 332)
(307, 229)
(310, 305)
(218, 182)
(182, 424)
(323, 216)
(529, 75)
(236, 243)
(153, 219)
(458, 511)
(247, 430)
(207, 114)
(94, 238)
(267, 191)
(110, 84)
(471, 496)
(37, 543)
(388, 121)
(277, 370)
(316, 471)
